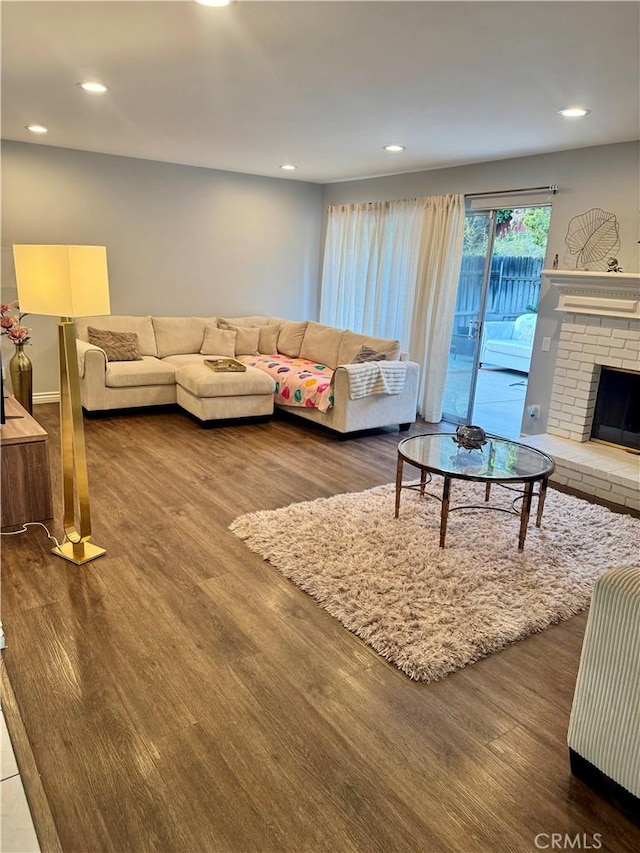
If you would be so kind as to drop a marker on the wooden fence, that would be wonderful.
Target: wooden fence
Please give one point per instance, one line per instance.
(514, 285)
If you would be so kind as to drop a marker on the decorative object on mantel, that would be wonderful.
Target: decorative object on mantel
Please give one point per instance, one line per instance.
(593, 236)
(20, 368)
(431, 611)
(613, 265)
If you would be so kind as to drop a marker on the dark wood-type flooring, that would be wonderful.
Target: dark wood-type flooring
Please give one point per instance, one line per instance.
(179, 694)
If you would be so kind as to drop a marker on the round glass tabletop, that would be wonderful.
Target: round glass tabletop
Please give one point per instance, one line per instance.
(499, 458)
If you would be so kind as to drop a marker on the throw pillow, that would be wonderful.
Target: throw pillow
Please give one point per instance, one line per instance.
(218, 342)
(290, 337)
(246, 337)
(119, 346)
(368, 354)
(352, 343)
(268, 339)
(321, 344)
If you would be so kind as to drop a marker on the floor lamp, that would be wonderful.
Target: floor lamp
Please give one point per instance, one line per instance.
(67, 282)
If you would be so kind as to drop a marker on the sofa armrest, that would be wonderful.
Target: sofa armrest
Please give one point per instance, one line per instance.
(90, 359)
(378, 410)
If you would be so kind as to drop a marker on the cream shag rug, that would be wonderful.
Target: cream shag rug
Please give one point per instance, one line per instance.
(431, 611)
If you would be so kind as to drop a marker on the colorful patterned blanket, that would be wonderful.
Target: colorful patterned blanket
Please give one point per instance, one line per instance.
(298, 382)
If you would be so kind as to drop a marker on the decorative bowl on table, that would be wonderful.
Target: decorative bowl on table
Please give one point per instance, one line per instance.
(470, 437)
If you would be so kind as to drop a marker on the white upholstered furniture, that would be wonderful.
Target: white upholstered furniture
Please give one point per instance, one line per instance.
(172, 370)
(604, 729)
(508, 343)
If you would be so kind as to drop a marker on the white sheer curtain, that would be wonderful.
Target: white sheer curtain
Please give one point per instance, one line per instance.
(391, 270)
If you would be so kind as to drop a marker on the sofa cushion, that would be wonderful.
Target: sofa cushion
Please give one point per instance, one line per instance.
(321, 344)
(352, 343)
(183, 359)
(251, 320)
(218, 342)
(267, 337)
(179, 335)
(247, 337)
(290, 337)
(141, 326)
(118, 346)
(507, 347)
(147, 371)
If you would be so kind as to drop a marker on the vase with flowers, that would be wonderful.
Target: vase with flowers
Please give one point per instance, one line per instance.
(20, 368)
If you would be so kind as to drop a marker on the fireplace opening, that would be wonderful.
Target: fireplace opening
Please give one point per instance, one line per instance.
(616, 419)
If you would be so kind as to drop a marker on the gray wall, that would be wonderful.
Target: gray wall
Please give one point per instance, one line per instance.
(180, 240)
(183, 240)
(605, 176)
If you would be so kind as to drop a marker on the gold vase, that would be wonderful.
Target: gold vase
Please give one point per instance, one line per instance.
(20, 370)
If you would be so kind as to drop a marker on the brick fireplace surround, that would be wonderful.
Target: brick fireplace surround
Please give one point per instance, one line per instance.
(600, 328)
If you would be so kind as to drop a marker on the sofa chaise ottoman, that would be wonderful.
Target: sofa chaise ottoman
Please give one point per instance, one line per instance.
(212, 396)
(168, 367)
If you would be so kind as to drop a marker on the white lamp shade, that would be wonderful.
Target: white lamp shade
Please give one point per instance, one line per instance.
(64, 281)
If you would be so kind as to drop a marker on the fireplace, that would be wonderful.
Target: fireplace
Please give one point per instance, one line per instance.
(599, 335)
(616, 418)
(599, 339)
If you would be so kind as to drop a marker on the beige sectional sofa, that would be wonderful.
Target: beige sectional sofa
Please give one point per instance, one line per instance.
(171, 369)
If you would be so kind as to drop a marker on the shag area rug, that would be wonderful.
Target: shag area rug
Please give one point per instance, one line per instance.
(429, 610)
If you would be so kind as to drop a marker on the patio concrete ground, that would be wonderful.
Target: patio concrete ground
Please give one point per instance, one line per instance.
(499, 404)
(500, 396)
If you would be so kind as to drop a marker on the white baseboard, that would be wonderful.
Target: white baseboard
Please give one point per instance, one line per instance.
(46, 397)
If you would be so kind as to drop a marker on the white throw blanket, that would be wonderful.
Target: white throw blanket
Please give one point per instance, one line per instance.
(376, 377)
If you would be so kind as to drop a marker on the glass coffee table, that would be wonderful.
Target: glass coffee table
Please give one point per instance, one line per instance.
(500, 461)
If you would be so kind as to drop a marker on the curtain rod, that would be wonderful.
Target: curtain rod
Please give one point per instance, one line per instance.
(553, 188)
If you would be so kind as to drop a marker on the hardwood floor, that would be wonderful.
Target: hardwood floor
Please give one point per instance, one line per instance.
(179, 694)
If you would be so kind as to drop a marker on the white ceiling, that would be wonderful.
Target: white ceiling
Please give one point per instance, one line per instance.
(323, 85)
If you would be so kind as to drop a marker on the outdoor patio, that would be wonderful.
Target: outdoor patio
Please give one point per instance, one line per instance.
(500, 396)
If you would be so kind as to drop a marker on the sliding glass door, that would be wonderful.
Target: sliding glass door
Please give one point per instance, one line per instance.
(464, 351)
(498, 292)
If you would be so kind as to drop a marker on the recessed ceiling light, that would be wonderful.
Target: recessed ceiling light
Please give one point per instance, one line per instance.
(574, 112)
(93, 86)
(288, 167)
(37, 128)
(394, 148)
(213, 2)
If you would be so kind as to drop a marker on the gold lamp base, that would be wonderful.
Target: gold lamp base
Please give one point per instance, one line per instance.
(68, 281)
(77, 548)
(78, 553)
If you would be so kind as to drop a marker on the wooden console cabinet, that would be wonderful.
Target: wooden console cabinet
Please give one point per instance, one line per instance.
(26, 478)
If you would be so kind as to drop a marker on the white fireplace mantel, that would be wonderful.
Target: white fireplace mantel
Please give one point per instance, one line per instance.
(613, 294)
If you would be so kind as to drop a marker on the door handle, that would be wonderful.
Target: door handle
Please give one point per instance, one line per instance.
(474, 330)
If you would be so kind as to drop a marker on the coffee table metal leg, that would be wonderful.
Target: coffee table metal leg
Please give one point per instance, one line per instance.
(524, 514)
(423, 481)
(542, 495)
(444, 513)
(487, 492)
(399, 483)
